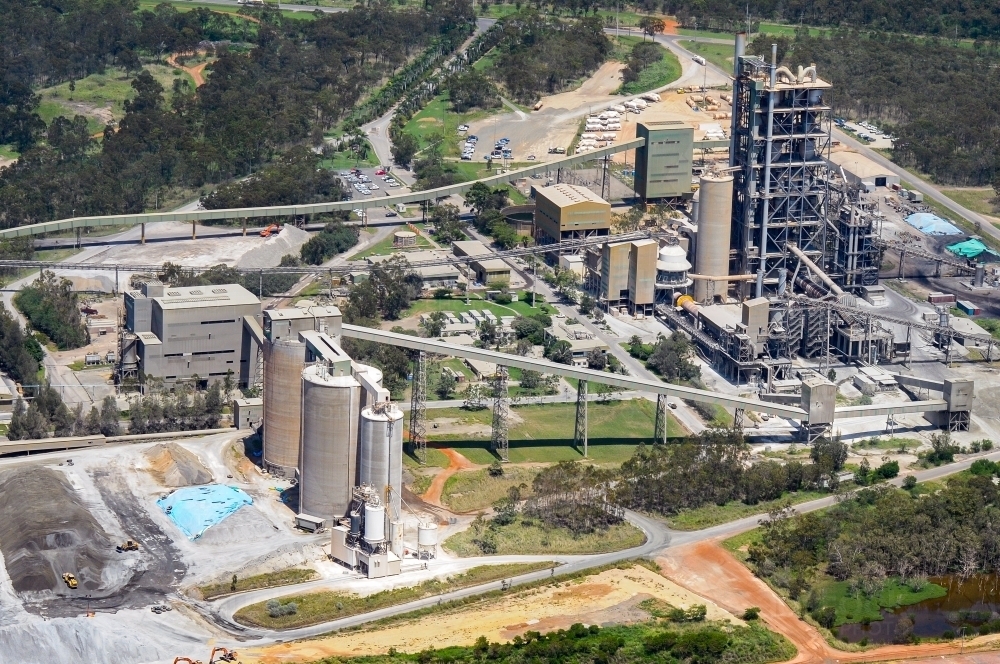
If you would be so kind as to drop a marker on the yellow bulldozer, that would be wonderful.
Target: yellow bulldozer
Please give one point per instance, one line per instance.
(70, 580)
(129, 545)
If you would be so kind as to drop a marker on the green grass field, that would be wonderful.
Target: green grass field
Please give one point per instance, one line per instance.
(185, 6)
(341, 161)
(8, 152)
(688, 32)
(855, 607)
(472, 490)
(720, 55)
(284, 577)
(789, 30)
(545, 433)
(384, 247)
(318, 607)
(438, 118)
(435, 459)
(712, 515)
(977, 199)
(529, 537)
(666, 71)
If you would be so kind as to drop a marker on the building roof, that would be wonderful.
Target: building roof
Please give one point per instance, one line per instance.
(296, 313)
(193, 297)
(149, 339)
(859, 165)
(470, 248)
(966, 326)
(564, 195)
(426, 272)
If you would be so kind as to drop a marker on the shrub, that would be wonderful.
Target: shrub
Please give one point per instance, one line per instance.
(826, 616)
(909, 482)
(276, 609)
(503, 298)
(752, 613)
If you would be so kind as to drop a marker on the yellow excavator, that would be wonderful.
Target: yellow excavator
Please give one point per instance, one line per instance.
(70, 580)
(129, 545)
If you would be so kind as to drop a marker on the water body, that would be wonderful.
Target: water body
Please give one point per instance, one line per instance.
(969, 604)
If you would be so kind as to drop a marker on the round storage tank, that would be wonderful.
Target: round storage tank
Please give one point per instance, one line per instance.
(715, 212)
(380, 451)
(283, 364)
(426, 540)
(327, 455)
(374, 523)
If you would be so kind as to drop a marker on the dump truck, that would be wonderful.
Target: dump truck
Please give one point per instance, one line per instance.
(70, 580)
(129, 545)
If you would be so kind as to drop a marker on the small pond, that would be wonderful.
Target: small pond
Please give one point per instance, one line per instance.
(969, 604)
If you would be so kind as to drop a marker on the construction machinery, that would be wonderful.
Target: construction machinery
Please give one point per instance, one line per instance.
(271, 228)
(225, 655)
(70, 580)
(129, 545)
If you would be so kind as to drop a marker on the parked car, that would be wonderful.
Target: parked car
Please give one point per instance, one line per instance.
(463, 127)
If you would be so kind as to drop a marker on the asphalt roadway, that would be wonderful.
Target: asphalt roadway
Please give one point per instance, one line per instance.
(658, 538)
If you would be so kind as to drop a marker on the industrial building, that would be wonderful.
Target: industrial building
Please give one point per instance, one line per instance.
(569, 212)
(663, 164)
(486, 270)
(860, 171)
(628, 273)
(443, 275)
(190, 334)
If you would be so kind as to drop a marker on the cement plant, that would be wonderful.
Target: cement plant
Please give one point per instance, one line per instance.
(821, 297)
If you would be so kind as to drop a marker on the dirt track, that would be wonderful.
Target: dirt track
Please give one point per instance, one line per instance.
(457, 462)
(708, 569)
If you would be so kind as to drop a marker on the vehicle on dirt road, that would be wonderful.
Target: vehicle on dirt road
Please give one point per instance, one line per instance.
(128, 545)
(70, 580)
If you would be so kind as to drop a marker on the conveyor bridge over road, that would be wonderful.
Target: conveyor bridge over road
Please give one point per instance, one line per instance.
(193, 216)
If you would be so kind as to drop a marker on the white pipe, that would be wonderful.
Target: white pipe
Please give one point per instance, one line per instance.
(834, 288)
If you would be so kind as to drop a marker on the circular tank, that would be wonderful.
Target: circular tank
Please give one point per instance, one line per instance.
(427, 534)
(374, 523)
(404, 239)
(283, 364)
(327, 455)
(380, 452)
(715, 211)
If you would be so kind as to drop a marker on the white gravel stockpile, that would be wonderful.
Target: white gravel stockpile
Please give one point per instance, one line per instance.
(269, 254)
(245, 524)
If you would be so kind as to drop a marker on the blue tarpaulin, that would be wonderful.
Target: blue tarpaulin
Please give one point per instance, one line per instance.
(932, 224)
(195, 509)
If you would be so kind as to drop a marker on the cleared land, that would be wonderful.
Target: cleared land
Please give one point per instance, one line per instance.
(544, 432)
(720, 55)
(318, 607)
(712, 515)
(611, 595)
(472, 490)
(436, 121)
(978, 199)
(271, 580)
(530, 537)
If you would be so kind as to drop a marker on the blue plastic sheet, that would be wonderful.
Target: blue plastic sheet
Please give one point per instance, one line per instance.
(932, 224)
(195, 509)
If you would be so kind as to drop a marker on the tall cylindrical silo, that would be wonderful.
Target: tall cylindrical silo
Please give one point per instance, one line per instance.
(283, 364)
(328, 453)
(715, 212)
(380, 452)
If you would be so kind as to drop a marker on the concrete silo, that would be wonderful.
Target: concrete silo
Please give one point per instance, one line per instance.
(329, 440)
(283, 364)
(380, 452)
(715, 213)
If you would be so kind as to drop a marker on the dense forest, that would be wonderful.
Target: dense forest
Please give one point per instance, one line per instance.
(20, 353)
(976, 19)
(51, 306)
(937, 98)
(279, 86)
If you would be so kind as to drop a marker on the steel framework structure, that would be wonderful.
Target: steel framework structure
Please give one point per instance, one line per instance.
(500, 438)
(418, 408)
(780, 189)
(580, 431)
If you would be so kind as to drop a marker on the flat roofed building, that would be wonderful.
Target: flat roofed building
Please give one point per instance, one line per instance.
(487, 269)
(287, 323)
(432, 276)
(859, 169)
(195, 333)
(628, 276)
(569, 212)
(663, 164)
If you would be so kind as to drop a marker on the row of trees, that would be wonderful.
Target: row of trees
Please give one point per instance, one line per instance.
(20, 353)
(183, 410)
(947, 126)
(47, 415)
(53, 308)
(335, 238)
(264, 285)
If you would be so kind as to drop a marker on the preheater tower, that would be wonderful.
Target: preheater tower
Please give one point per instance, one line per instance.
(328, 452)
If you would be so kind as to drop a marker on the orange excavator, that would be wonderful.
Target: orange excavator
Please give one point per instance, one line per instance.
(272, 228)
(225, 655)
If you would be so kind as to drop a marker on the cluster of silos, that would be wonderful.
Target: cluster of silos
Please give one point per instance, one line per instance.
(329, 433)
(715, 210)
(284, 361)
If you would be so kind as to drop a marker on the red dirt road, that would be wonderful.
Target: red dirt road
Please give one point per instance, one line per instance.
(195, 71)
(709, 570)
(456, 463)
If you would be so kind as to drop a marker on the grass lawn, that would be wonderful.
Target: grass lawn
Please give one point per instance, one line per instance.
(342, 161)
(456, 305)
(435, 459)
(545, 433)
(720, 55)
(530, 537)
(977, 199)
(438, 118)
(284, 577)
(789, 30)
(857, 607)
(318, 607)
(667, 70)
(712, 515)
(186, 6)
(706, 33)
(384, 247)
(472, 490)
(107, 90)
(737, 544)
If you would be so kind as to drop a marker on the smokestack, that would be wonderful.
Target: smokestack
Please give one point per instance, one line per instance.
(741, 49)
(774, 64)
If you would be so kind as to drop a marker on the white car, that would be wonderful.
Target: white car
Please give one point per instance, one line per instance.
(463, 127)
(373, 186)
(393, 184)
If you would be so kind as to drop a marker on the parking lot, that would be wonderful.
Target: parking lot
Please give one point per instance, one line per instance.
(868, 132)
(501, 149)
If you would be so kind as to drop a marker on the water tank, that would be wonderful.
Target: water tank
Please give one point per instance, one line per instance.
(283, 364)
(715, 213)
(380, 452)
(374, 523)
(356, 523)
(328, 453)
(427, 535)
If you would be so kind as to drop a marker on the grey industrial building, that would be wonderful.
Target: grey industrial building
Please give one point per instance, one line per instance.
(197, 333)
(663, 164)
